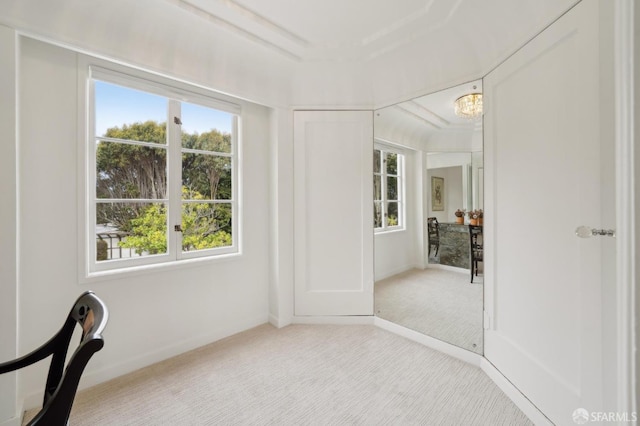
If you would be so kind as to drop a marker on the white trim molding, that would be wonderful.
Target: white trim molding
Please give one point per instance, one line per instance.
(16, 420)
(517, 397)
(430, 342)
(335, 319)
(625, 204)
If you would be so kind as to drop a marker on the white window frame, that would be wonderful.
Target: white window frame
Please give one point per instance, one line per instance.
(176, 93)
(383, 148)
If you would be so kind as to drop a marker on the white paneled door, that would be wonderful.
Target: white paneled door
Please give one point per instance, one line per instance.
(333, 193)
(549, 144)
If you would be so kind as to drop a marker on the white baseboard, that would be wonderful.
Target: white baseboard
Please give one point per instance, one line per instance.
(446, 348)
(517, 397)
(92, 378)
(14, 421)
(394, 271)
(340, 320)
(448, 268)
(278, 322)
(17, 420)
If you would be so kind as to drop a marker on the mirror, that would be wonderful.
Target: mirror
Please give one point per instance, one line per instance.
(428, 163)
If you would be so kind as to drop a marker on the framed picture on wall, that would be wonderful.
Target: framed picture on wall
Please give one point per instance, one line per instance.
(437, 193)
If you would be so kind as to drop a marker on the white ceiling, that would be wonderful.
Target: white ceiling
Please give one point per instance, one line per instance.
(333, 53)
(330, 29)
(428, 118)
(360, 30)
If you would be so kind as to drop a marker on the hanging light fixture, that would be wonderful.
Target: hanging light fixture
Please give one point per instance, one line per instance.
(469, 106)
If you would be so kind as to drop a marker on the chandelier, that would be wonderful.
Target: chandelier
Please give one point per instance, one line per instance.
(469, 106)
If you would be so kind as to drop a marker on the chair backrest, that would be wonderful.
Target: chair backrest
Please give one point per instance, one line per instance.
(91, 314)
(475, 239)
(432, 227)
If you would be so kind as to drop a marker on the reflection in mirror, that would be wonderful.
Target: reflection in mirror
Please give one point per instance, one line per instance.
(428, 168)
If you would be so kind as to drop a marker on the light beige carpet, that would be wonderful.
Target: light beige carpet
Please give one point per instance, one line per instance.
(302, 375)
(439, 303)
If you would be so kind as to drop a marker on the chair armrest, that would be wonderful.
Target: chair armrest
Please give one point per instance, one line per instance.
(31, 358)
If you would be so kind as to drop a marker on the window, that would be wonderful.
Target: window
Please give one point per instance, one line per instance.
(388, 183)
(162, 167)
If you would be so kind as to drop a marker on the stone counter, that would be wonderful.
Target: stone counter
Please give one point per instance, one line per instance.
(454, 246)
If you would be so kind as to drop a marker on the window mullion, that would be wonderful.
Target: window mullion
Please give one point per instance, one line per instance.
(235, 187)
(174, 178)
(91, 191)
(401, 190)
(383, 180)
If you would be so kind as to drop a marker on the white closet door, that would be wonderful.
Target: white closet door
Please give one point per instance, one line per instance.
(333, 191)
(548, 139)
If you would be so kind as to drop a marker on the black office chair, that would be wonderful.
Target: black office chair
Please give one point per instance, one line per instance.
(434, 235)
(476, 250)
(91, 314)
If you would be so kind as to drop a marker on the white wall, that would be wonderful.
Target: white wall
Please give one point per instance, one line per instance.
(281, 216)
(392, 254)
(455, 140)
(445, 150)
(452, 192)
(154, 315)
(477, 180)
(8, 222)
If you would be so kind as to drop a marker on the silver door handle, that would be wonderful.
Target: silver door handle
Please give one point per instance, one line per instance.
(588, 232)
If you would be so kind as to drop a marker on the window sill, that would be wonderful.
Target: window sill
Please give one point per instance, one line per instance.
(133, 271)
(389, 231)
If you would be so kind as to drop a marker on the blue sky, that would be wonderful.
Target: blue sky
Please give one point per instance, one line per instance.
(117, 105)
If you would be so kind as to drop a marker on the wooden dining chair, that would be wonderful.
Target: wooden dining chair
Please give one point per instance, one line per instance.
(434, 235)
(476, 249)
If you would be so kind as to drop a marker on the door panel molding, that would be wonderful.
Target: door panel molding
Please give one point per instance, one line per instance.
(333, 212)
(543, 288)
